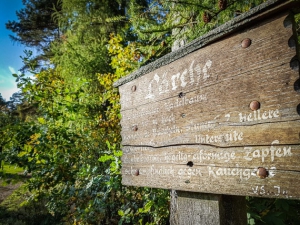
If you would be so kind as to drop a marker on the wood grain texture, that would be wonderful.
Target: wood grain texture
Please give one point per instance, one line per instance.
(192, 208)
(188, 125)
(220, 64)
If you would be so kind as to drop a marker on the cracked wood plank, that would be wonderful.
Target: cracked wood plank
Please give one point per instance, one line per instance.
(188, 125)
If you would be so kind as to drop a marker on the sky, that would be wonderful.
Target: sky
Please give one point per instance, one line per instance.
(10, 52)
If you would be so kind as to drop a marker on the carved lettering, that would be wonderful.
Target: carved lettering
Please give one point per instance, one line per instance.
(162, 83)
(205, 69)
(257, 115)
(168, 119)
(182, 78)
(162, 171)
(169, 105)
(189, 172)
(176, 76)
(166, 131)
(263, 190)
(216, 172)
(176, 157)
(200, 126)
(150, 87)
(203, 155)
(271, 152)
(227, 137)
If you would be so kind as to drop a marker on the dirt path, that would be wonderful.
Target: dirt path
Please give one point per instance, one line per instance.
(7, 190)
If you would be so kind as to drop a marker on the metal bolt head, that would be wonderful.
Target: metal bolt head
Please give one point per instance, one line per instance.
(183, 115)
(262, 173)
(133, 88)
(137, 172)
(135, 128)
(254, 105)
(246, 43)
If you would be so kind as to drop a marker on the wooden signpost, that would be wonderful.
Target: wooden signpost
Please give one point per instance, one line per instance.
(221, 115)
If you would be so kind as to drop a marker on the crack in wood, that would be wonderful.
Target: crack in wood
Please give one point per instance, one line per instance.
(246, 124)
(197, 144)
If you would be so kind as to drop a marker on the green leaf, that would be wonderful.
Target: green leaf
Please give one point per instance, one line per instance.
(41, 120)
(127, 211)
(108, 144)
(105, 158)
(282, 204)
(120, 212)
(147, 207)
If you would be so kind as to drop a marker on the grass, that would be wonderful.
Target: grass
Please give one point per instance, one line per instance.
(10, 174)
(16, 210)
(14, 207)
(11, 169)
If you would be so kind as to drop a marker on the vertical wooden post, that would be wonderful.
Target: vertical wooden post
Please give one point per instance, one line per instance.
(190, 208)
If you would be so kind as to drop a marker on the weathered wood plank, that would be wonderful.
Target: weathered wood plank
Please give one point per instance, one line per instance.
(213, 179)
(216, 63)
(209, 113)
(216, 170)
(189, 125)
(274, 91)
(219, 135)
(281, 157)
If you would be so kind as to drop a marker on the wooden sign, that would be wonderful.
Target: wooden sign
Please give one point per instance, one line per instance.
(223, 118)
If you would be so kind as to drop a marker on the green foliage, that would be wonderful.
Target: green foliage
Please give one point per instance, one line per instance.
(11, 169)
(14, 211)
(273, 211)
(65, 129)
(35, 27)
(163, 22)
(15, 129)
(76, 123)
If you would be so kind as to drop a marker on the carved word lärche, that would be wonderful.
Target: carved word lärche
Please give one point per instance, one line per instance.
(164, 83)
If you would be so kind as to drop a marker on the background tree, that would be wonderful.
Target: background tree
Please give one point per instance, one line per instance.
(161, 23)
(78, 123)
(66, 130)
(35, 27)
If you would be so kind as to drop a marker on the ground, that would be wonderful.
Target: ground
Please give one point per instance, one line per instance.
(7, 190)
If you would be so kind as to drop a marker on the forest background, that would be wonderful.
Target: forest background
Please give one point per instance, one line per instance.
(63, 127)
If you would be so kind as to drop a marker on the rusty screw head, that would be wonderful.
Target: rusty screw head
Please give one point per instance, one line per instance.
(262, 173)
(254, 105)
(137, 172)
(133, 88)
(135, 128)
(246, 43)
